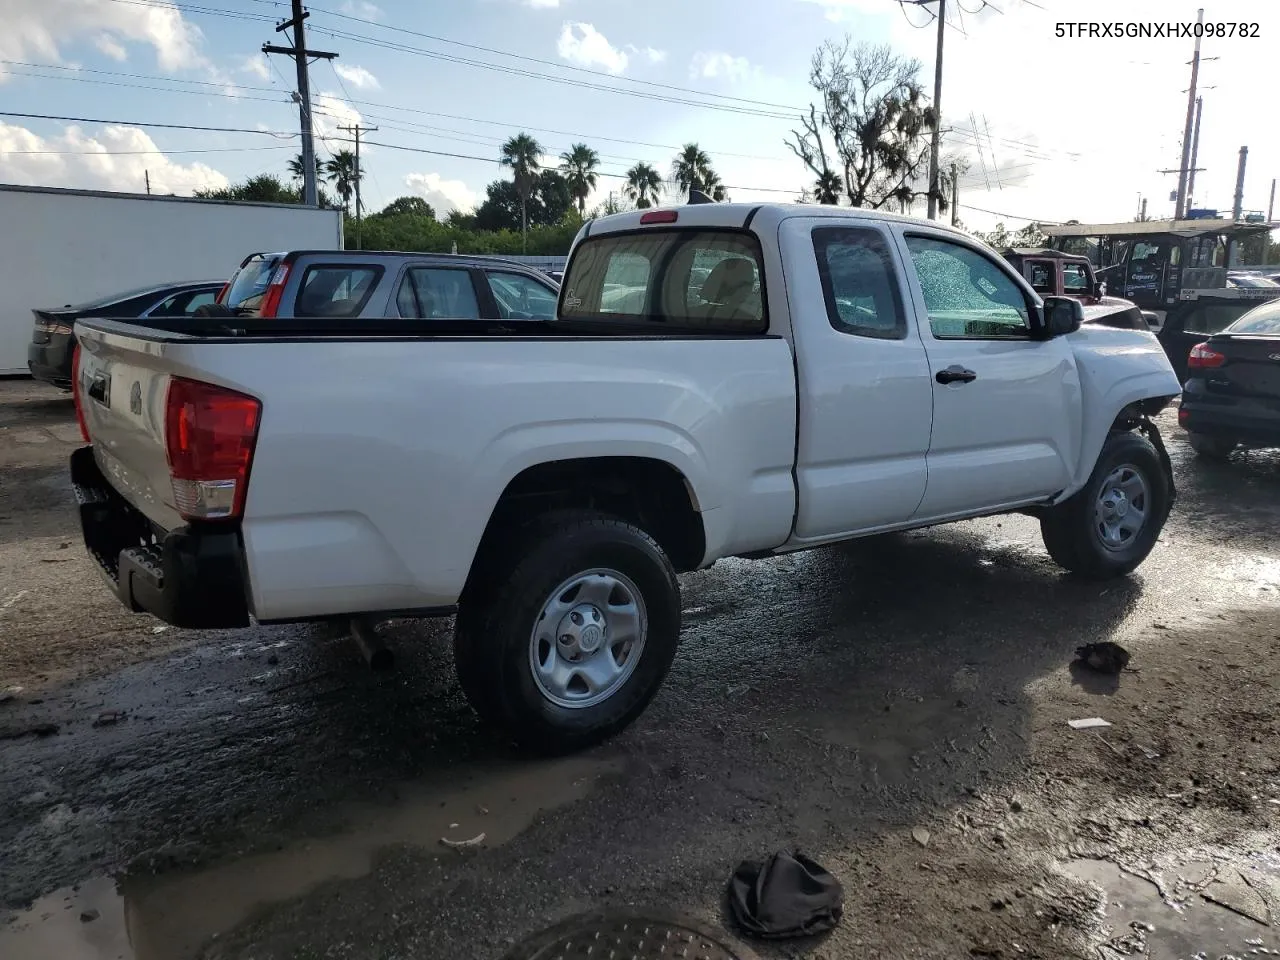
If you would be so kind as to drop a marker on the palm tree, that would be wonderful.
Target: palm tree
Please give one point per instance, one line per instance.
(341, 170)
(691, 170)
(713, 188)
(295, 168)
(579, 169)
(521, 154)
(643, 186)
(827, 188)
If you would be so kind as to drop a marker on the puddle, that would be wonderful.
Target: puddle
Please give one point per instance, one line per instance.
(1186, 926)
(169, 917)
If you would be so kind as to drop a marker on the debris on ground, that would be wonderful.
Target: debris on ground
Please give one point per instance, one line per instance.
(109, 718)
(786, 896)
(474, 841)
(920, 835)
(1088, 723)
(34, 730)
(88, 916)
(1104, 657)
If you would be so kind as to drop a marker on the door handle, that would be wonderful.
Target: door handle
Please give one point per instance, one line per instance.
(955, 374)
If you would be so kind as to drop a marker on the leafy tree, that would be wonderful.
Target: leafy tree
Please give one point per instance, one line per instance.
(827, 188)
(405, 206)
(521, 153)
(691, 170)
(872, 125)
(643, 186)
(264, 188)
(460, 220)
(1002, 238)
(548, 202)
(342, 172)
(579, 168)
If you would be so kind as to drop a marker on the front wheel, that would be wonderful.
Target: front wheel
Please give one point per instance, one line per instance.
(570, 633)
(1211, 448)
(1110, 526)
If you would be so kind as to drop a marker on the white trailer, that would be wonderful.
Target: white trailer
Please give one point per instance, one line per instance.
(60, 247)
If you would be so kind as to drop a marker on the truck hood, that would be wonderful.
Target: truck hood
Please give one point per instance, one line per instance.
(1114, 359)
(1114, 312)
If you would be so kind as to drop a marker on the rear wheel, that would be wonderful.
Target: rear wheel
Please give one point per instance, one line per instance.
(1211, 448)
(1108, 528)
(565, 639)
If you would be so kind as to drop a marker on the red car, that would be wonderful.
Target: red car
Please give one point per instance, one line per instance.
(1053, 273)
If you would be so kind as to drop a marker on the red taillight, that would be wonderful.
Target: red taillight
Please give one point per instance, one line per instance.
(210, 433)
(75, 392)
(222, 294)
(275, 289)
(1183, 415)
(1202, 355)
(658, 216)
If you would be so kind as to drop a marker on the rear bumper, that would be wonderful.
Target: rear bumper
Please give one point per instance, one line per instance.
(189, 577)
(1254, 426)
(51, 362)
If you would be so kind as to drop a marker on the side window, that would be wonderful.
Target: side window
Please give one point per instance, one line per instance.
(521, 298)
(172, 307)
(1040, 275)
(858, 284)
(199, 300)
(966, 294)
(335, 292)
(1075, 279)
(443, 294)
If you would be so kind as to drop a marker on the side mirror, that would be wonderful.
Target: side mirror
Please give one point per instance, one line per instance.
(1062, 315)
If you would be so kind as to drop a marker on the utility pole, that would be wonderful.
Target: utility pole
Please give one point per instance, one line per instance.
(356, 129)
(935, 140)
(1266, 237)
(147, 175)
(1180, 208)
(1238, 206)
(1142, 211)
(1195, 153)
(300, 53)
(955, 195)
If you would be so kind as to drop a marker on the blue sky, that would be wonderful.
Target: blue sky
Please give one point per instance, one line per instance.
(1065, 128)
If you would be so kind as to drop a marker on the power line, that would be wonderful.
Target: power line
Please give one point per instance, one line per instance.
(126, 153)
(1010, 216)
(142, 123)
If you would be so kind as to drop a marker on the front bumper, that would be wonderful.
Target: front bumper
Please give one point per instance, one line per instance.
(191, 577)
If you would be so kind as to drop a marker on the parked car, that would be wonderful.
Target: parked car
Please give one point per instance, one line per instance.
(556, 275)
(837, 373)
(52, 340)
(1055, 273)
(1232, 395)
(1250, 281)
(349, 284)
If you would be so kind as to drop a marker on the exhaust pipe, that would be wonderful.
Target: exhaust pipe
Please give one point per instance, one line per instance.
(372, 647)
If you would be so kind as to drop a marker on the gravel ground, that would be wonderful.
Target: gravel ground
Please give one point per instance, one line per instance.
(896, 708)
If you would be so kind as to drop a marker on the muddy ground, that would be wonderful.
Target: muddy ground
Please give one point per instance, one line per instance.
(895, 708)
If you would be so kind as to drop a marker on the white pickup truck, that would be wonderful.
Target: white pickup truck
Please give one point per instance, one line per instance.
(721, 380)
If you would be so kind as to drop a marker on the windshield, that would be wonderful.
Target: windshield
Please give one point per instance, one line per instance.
(250, 282)
(1260, 320)
(699, 279)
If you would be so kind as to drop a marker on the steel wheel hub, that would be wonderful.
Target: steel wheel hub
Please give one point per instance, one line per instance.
(588, 638)
(1122, 507)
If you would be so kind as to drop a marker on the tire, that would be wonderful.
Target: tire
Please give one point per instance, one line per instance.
(212, 310)
(571, 564)
(1073, 531)
(1211, 448)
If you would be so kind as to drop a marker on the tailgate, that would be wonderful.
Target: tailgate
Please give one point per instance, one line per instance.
(123, 381)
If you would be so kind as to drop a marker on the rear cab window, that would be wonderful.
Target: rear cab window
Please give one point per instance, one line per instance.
(677, 279)
(249, 284)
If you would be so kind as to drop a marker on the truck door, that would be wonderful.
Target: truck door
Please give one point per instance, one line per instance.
(866, 403)
(1006, 408)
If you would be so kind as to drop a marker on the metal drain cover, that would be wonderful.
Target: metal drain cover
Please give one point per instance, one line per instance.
(628, 935)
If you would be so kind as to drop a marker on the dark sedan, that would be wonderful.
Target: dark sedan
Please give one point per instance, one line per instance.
(1232, 395)
(53, 343)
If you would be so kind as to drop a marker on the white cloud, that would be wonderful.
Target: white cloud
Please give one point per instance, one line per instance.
(357, 76)
(38, 29)
(77, 160)
(710, 64)
(543, 4)
(362, 8)
(256, 66)
(583, 44)
(110, 46)
(328, 113)
(650, 54)
(443, 195)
